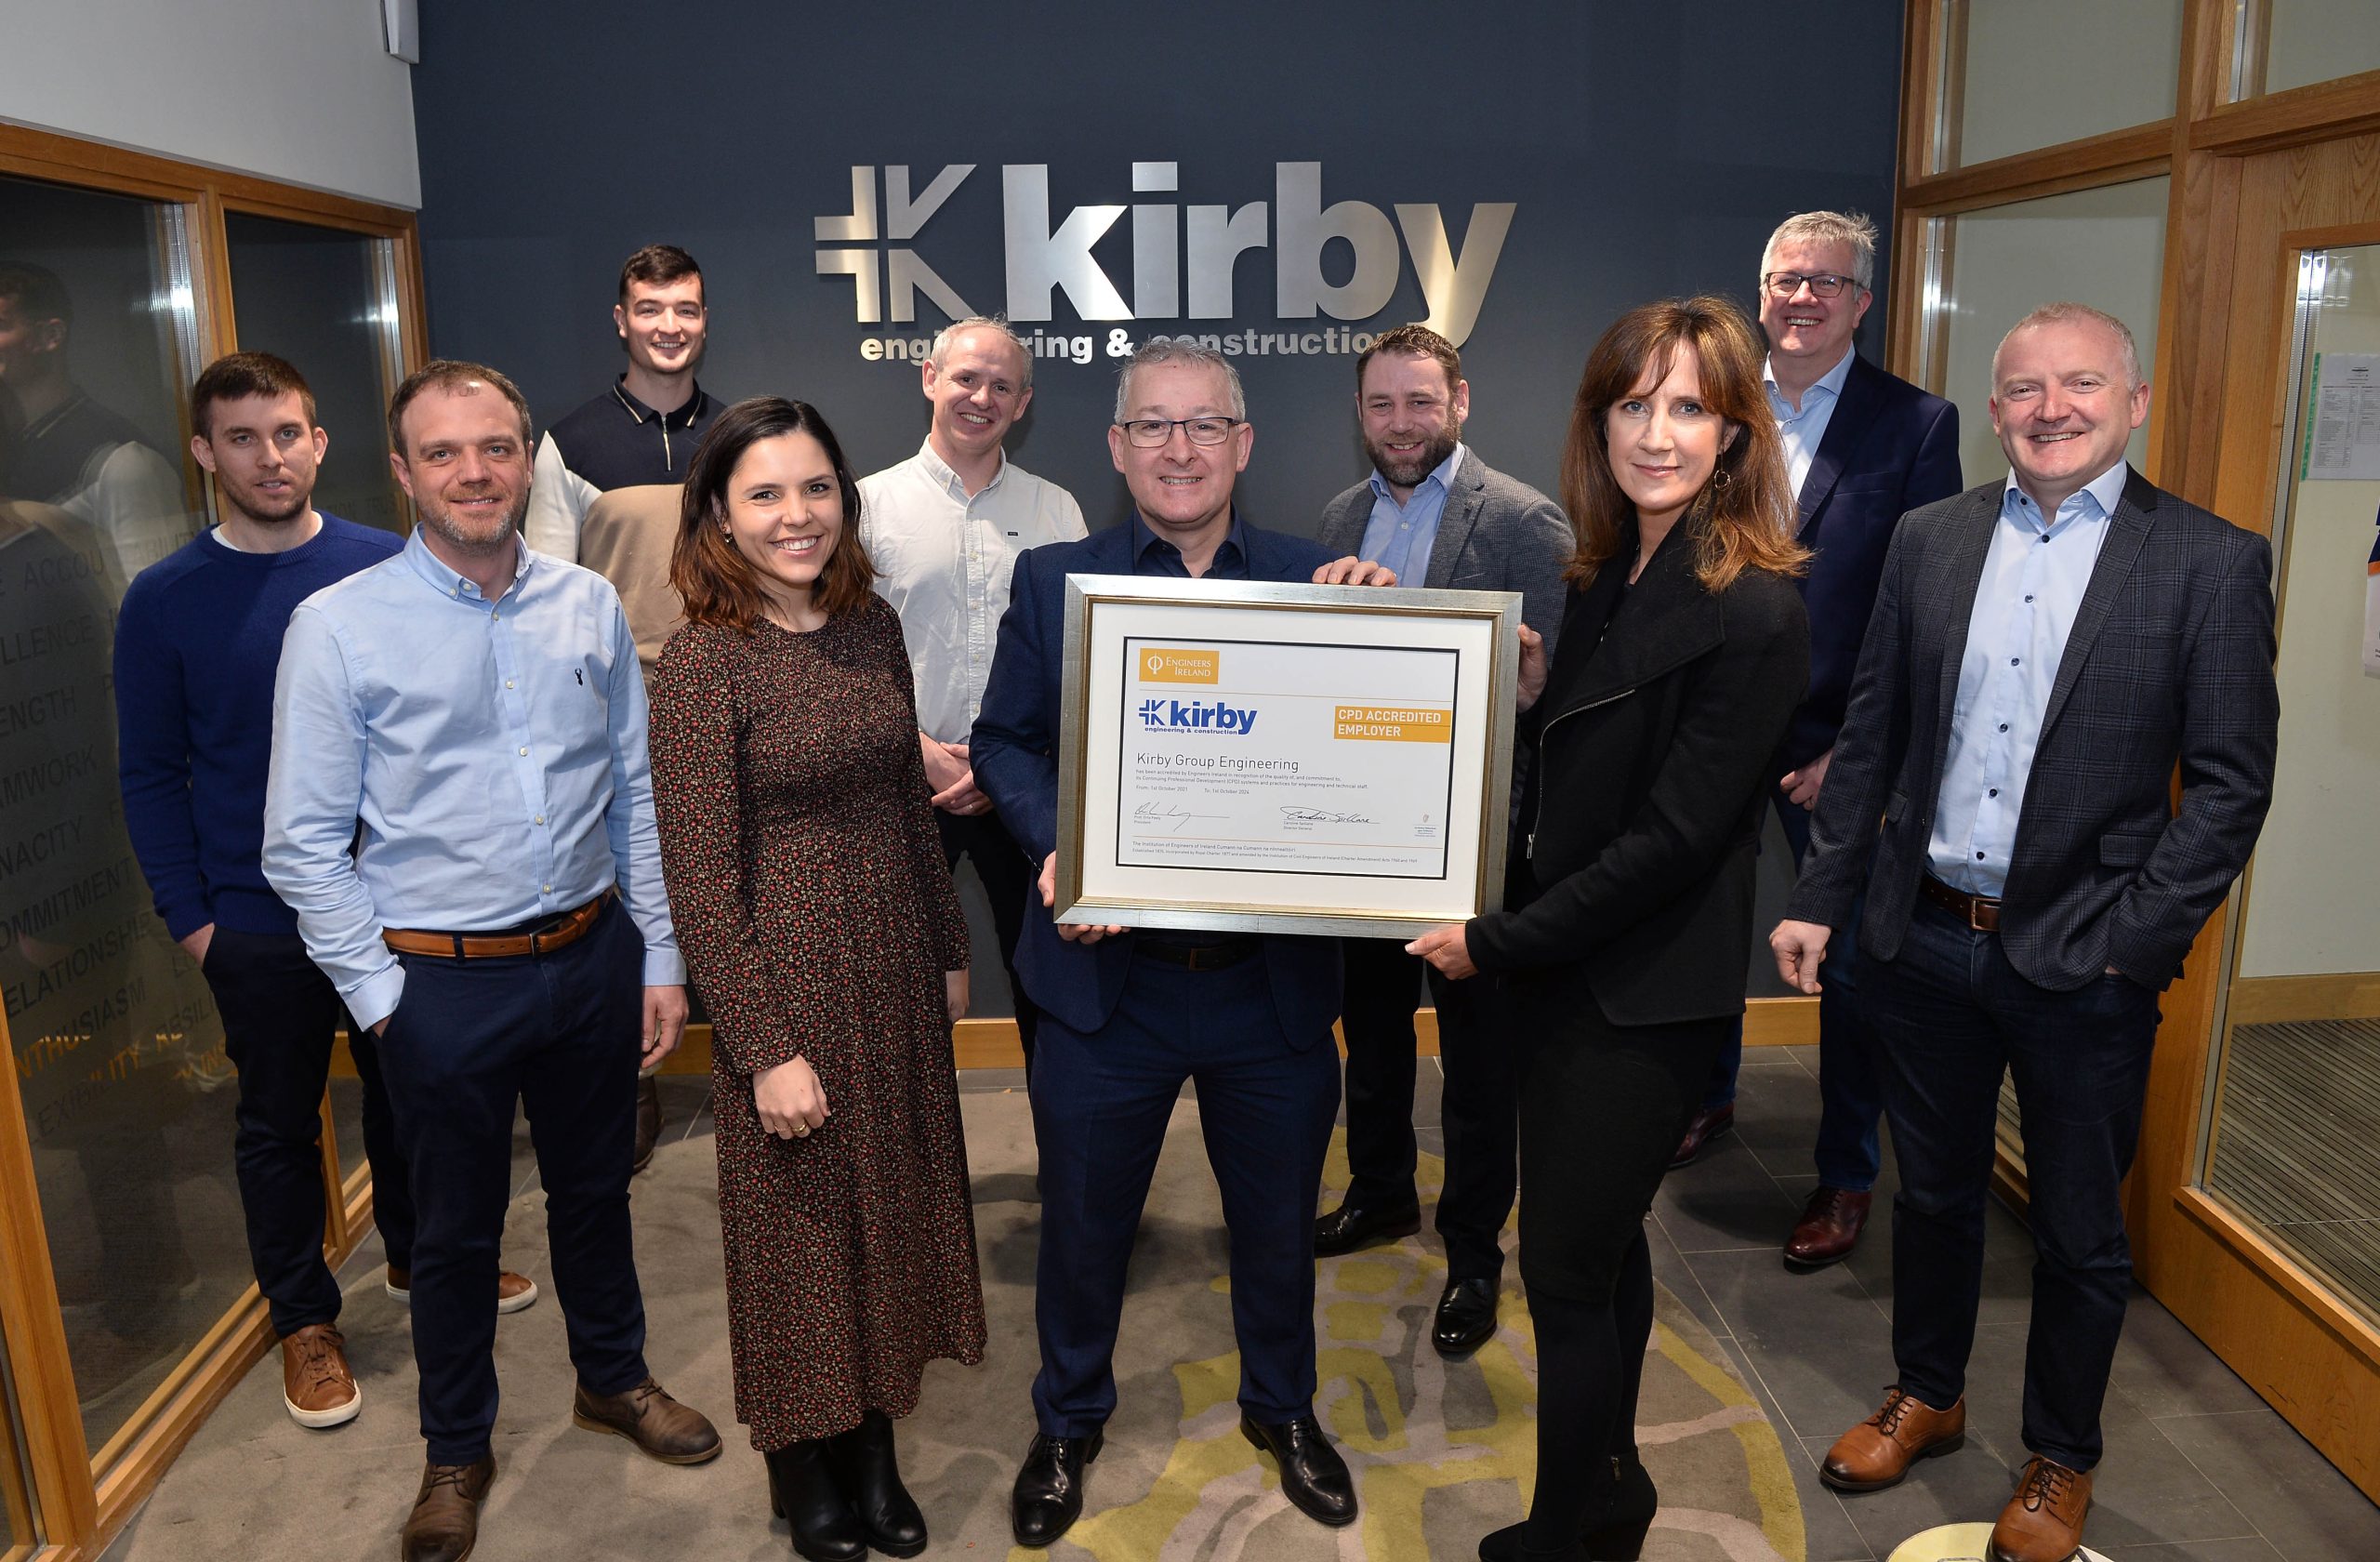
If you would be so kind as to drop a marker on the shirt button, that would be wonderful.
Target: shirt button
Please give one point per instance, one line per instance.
(524, 753)
(507, 683)
(2003, 727)
(548, 889)
(1993, 792)
(2015, 661)
(541, 818)
(1978, 856)
(2028, 596)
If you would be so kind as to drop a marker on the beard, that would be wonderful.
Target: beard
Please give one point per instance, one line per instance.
(264, 511)
(486, 536)
(1405, 473)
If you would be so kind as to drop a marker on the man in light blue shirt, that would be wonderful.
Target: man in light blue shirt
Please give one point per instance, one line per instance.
(459, 814)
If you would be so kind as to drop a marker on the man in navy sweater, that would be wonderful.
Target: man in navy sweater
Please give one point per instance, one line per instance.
(198, 642)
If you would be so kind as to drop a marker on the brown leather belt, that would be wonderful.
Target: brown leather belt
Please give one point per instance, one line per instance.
(1200, 956)
(559, 934)
(1979, 912)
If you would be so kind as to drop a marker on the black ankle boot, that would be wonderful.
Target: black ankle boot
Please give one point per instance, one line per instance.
(870, 1475)
(801, 1491)
(1615, 1531)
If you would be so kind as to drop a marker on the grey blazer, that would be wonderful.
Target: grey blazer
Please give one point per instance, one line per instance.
(1497, 534)
(2170, 660)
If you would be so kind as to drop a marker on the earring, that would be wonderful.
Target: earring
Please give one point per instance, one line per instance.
(1719, 478)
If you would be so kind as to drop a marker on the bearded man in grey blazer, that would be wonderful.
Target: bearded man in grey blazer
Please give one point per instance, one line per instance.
(1436, 515)
(2045, 652)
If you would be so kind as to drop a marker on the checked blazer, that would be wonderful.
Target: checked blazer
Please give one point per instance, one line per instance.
(2169, 660)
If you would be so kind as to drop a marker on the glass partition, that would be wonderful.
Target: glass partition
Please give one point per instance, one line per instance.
(2004, 91)
(118, 1054)
(2293, 1103)
(2308, 41)
(326, 300)
(2103, 246)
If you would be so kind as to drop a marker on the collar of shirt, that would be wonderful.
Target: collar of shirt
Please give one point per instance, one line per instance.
(446, 581)
(1230, 561)
(1442, 474)
(1831, 382)
(684, 417)
(2095, 501)
(942, 473)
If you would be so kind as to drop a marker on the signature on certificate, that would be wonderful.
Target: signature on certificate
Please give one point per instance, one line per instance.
(1172, 813)
(1295, 815)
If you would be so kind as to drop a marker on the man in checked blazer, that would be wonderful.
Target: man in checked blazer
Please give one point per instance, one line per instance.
(2044, 652)
(1434, 513)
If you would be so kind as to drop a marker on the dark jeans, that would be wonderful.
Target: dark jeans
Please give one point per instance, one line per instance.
(1382, 990)
(1851, 1083)
(1101, 1104)
(556, 1033)
(1009, 878)
(279, 1013)
(1953, 1014)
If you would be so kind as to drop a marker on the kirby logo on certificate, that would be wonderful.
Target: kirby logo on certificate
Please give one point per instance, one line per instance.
(1287, 757)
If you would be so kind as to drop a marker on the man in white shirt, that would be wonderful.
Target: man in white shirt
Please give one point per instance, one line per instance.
(944, 529)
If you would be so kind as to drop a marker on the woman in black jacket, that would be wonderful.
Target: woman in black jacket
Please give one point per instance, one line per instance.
(1629, 905)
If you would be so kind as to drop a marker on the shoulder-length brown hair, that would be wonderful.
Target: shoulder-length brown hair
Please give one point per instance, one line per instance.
(1743, 519)
(716, 582)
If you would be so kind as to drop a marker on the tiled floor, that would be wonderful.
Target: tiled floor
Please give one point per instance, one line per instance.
(2197, 1468)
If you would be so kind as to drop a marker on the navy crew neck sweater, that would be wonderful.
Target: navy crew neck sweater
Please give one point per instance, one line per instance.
(197, 646)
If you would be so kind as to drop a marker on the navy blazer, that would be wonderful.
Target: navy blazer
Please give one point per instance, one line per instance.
(2170, 660)
(1014, 751)
(1889, 448)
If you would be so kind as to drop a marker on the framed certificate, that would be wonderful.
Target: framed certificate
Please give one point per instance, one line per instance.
(1244, 756)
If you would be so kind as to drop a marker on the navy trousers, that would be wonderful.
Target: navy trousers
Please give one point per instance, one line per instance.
(1851, 1080)
(1100, 1107)
(279, 1014)
(558, 1034)
(1953, 1015)
(1478, 1106)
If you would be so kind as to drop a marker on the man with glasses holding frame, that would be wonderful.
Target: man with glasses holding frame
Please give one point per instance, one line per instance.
(1128, 1016)
(1862, 448)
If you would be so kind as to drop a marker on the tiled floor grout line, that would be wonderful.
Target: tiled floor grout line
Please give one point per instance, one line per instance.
(2216, 1486)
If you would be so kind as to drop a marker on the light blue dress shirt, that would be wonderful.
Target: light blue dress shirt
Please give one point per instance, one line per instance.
(2033, 579)
(1804, 428)
(494, 753)
(1400, 537)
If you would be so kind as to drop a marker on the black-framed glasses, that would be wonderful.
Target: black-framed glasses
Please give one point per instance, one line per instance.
(1825, 285)
(1151, 432)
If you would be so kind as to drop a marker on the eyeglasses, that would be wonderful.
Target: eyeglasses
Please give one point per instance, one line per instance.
(1825, 285)
(1151, 432)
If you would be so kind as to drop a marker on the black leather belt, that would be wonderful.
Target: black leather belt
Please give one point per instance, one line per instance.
(1199, 957)
(1979, 912)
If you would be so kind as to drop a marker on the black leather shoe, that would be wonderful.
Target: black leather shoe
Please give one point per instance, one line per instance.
(801, 1491)
(869, 1476)
(1314, 1478)
(1351, 1226)
(1465, 1319)
(1048, 1498)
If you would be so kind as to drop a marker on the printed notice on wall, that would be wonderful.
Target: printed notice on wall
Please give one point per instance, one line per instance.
(2343, 438)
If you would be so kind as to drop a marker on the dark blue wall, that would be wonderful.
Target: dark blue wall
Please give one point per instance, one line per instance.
(1649, 151)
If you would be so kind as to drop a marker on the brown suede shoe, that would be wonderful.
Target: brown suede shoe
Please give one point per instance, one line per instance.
(444, 1523)
(2044, 1521)
(649, 1418)
(1829, 1229)
(512, 1292)
(315, 1382)
(1878, 1451)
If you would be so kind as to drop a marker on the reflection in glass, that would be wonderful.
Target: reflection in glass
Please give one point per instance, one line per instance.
(2009, 90)
(326, 300)
(118, 1053)
(2296, 1091)
(2313, 41)
(2105, 248)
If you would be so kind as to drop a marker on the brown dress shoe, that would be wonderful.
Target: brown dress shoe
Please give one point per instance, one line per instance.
(512, 1292)
(1878, 1451)
(444, 1523)
(2044, 1521)
(646, 1416)
(1709, 1123)
(1829, 1229)
(315, 1382)
(648, 1122)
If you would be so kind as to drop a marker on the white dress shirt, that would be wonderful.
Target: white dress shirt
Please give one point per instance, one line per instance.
(944, 560)
(2032, 585)
(1804, 428)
